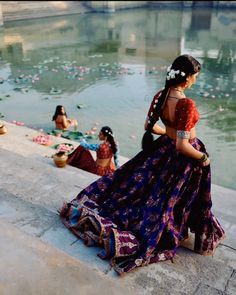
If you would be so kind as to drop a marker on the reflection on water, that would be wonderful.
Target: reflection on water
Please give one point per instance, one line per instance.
(112, 65)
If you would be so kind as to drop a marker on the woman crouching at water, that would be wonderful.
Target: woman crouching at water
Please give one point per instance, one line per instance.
(62, 122)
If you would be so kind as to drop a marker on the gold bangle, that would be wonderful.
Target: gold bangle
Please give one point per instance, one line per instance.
(203, 158)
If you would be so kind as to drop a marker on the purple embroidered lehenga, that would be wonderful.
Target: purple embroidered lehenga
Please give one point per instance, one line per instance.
(140, 214)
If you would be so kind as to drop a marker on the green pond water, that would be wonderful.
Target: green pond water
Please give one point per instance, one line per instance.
(105, 69)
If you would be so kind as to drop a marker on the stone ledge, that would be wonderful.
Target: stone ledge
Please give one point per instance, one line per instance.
(31, 191)
(30, 266)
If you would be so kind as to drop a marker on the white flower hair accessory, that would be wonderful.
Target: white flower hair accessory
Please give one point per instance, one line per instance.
(108, 132)
(171, 73)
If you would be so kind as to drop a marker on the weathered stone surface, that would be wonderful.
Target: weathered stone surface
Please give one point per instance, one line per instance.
(39, 255)
(29, 266)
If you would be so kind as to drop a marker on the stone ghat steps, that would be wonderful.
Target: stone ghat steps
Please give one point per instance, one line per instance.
(31, 192)
(17, 10)
(19, 139)
(32, 266)
(38, 221)
(32, 189)
(38, 180)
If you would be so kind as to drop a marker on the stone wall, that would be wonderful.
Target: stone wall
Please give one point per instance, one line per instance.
(18, 10)
(112, 6)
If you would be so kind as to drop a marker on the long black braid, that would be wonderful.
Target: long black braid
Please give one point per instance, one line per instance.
(107, 131)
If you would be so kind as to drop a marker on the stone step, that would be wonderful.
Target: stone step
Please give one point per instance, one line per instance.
(27, 169)
(45, 224)
(30, 266)
(19, 139)
(16, 10)
(196, 272)
(38, 180)
(32, 189)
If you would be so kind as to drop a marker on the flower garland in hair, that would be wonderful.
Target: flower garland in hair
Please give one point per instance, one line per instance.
(171, 73)
(108, 132)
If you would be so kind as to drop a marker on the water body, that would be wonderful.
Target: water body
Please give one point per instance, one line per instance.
(111, 65)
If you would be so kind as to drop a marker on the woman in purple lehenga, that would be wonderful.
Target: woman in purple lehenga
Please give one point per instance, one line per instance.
(142, 212)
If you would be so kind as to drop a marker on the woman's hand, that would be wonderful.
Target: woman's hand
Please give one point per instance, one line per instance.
(74, 122)
(184, 147)
(205, 163)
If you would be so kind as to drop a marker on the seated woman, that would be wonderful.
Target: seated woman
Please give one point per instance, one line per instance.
(103, 165)
(62, 122)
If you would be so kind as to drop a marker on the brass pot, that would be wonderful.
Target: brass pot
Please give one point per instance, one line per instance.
(3, 129)
(60, 159)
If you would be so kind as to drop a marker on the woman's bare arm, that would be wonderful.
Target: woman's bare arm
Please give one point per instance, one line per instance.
(184, 147)
(65, 122)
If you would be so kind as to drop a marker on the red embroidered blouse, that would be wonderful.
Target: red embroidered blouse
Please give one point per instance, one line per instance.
(186, 114)
(104, 151)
